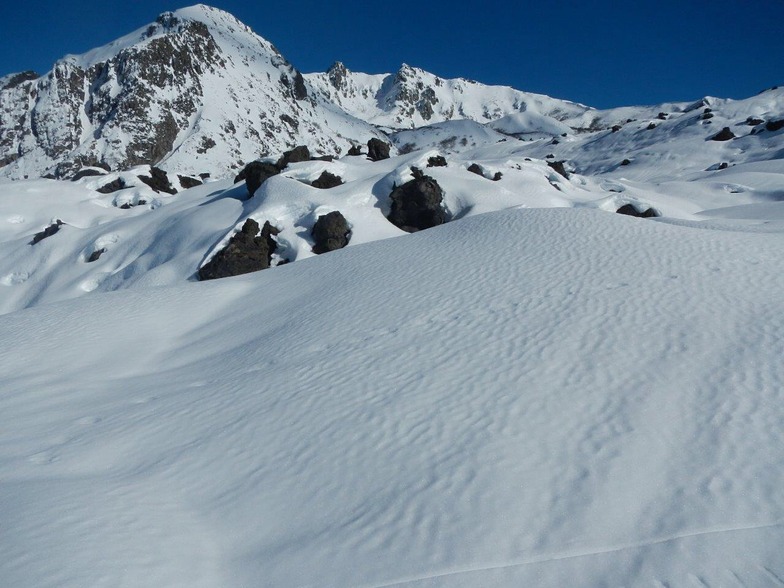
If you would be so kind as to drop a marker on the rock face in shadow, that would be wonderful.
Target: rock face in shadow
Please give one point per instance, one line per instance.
(378, 149)
(158, 181)
(327, 180)
(558, 167)
(47, 232)
(188, 182)
(87, 172)
(631, 210)
(436, 161)
(113, 186)
(724, 134)
(474, 168)
(300, 153)
(96, 255)
(417, 205)
(774, 125)
(355, 150)
(330, 232)
(255, 174)
(246, 252)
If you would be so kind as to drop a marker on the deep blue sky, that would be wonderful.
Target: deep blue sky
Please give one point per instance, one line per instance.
(602, 52)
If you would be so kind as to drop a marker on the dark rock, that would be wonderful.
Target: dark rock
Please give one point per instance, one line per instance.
(112, 186)
(476, 169)
(296, 155)
(84, 173)
(662, 116)
(246, 252)
(706, 116)
(188, 182)
(651, 126)
(616, 128)
(625, 162)
(126, 206)
(497, 176)
(753, 121)
(255, 174)
(378, 149)
(549, 156)
(355, 150)
(158, 181)
(436, 161)
(327, 180)
(300, 91)
(330, 232)
(558, 167)
(774, 125)
(206, 175)
(724, 134)
(329, 158)
(631, 210)
(20, 78)
(417, 173)
(95, 255)
(417, 205)
(47, 232)
(554, 142)
(141, 202)
(723, 165)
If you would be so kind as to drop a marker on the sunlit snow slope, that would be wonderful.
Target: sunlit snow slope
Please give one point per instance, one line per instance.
(524, 398)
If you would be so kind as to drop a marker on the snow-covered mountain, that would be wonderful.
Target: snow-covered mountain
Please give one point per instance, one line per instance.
(196, 91)
(536, 392)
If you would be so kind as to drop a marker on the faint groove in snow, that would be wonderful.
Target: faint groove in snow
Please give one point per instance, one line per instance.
(548, 559)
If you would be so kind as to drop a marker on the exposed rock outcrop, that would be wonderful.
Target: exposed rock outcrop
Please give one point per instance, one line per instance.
(417, 205)
(724, 134)
(247, 251)
(47, 232)
(255, 174)
(158, 180)
(631, 210)
(330, 232)
(327, 180)
(378, 149)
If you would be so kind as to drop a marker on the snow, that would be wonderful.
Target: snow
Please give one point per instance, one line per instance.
(540, 392)
(524, 397)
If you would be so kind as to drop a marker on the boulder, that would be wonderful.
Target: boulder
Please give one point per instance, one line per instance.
(96, 255)
(326, 181)
(378, 149)
(558, 167)
(355, 150)
(753, 121)
(112, 186)
(774, 125)
(476, 169)
(417, 205)
(158, 181)
(246, 252)
(616, 128)
(436, 161)
(662, 116)
(255, 174)
(188, 182)
(330, 232)
(724, 134)
(300, 153)
(625, 162)
(47, 232)
(651, 126)
(497, 176)
(87, 172)
(631, 210)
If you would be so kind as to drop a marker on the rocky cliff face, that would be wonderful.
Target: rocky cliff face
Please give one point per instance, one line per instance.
(196, 90)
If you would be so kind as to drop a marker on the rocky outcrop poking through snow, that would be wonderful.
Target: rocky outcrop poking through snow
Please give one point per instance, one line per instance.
(158, 180)
(47, 232)
(246, 252)
(378, 149)
(327, 180)
(255, 174)
(417, 205)
(296, 155)
(631, 210)
(724, 134)
(330, 232)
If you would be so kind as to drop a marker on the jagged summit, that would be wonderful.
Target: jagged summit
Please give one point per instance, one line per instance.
(195, 90)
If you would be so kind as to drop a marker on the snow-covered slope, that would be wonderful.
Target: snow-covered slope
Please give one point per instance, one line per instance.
(196, 91)
(524, 398)
(412, 97)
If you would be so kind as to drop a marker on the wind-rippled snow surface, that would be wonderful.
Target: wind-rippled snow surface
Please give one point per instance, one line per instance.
(530, 397)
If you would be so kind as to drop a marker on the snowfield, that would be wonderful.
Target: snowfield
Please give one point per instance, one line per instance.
(540, 397)
(538, 393)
